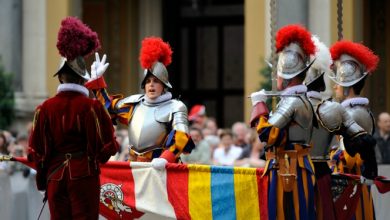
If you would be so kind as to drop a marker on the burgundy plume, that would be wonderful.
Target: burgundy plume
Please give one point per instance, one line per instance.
(76, 39)
(154, 49)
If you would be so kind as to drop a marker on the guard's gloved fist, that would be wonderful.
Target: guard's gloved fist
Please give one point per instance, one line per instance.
(367, 153)
(257, 97)
(352, 145)
(364, 145)
(370, 169)
(159, 163)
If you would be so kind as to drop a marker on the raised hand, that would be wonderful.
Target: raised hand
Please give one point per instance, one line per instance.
(98, 67)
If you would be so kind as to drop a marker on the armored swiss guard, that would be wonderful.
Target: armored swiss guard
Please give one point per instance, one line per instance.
(332, 120)
(72, 133)
(288, 130)
(353, 62)
(157, 124)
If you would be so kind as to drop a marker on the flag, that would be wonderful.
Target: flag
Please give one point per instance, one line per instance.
(182, 192)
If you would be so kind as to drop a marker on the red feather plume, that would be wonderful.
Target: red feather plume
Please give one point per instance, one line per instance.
(360, 52)
(76, 39)
(155, 49)
(295, 33)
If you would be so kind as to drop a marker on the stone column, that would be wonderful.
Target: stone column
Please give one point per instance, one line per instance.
(319, 20)
(33, 56)
(10, 39)
(256, 44)
(150, 18)
(150, 22)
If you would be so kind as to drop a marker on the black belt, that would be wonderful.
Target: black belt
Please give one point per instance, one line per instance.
(68, 156)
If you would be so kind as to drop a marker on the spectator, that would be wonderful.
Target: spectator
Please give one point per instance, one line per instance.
(197, 116)
(240, 130)
(122, 138)
(213, 141)
(382, 137)
(201, 154)
(252, 153)
(3, 144)
(211, 125)
(227, 152)
(3, 150)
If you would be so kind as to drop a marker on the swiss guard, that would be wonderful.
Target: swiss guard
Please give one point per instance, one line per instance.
(72, 134)
(332, 119)
(287, 132)
(353, 63)
(157, 124)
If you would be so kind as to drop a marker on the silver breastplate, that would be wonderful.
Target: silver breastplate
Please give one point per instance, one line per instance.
(145, 133)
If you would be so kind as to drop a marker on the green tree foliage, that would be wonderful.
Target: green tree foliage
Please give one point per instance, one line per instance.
(7, 101)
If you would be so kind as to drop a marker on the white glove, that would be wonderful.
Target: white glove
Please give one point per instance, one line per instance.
(366, 181)
(257, 97)
(43, 193)
(159, 163)
(98, 67)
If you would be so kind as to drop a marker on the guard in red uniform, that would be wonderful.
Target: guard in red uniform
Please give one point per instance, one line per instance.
(72, 134)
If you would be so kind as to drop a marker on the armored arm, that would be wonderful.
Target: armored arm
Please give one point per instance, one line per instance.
(334, 118)
(180, 117)
(271, 130)
(352, 129)
(284, 112)
(179, 141)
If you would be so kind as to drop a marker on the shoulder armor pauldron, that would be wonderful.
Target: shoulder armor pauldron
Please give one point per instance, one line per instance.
(165, 111)
(130, 99)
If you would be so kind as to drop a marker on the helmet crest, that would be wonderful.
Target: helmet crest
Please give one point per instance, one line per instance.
(154, 49)
(358, 51)
(76, 39)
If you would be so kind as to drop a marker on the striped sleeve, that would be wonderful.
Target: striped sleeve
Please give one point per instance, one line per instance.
(120, 113)
(178, 142)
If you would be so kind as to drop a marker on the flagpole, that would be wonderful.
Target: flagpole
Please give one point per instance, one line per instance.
(273, 24)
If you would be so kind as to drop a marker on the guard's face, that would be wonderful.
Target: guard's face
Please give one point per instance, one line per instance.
(339, 92)
(279, 83)
(153, 87)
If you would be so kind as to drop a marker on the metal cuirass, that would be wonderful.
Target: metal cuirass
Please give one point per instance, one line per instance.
(151, 123)
(297, 114)
(145, 133)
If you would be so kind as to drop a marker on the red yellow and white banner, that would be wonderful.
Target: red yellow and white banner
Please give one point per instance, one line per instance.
(136, 190)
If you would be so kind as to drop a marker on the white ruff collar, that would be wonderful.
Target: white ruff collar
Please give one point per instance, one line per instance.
(65, 87)
(314, 94)
(298, 89)
(355, 101)
(162, 98)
